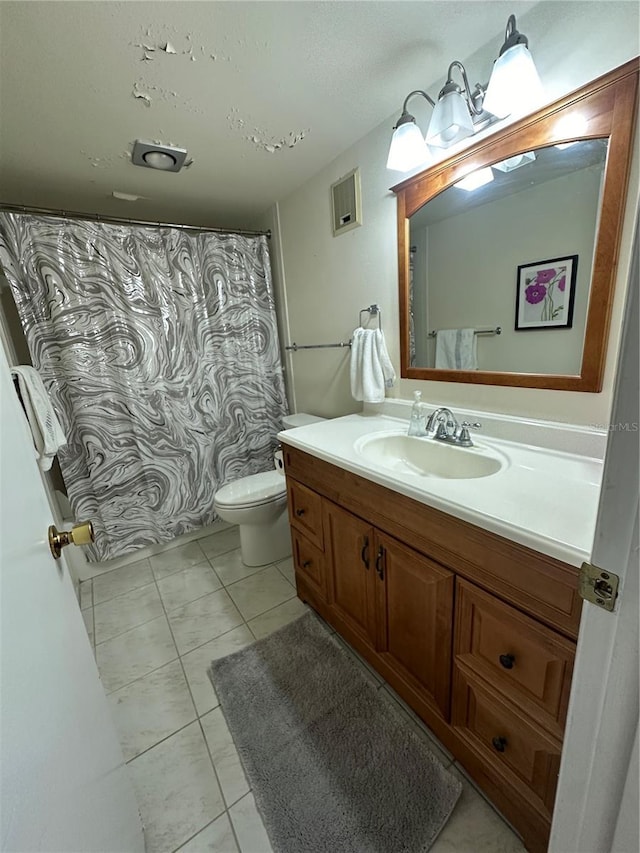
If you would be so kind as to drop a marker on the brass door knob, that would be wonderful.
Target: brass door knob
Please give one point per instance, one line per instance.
(80, 534)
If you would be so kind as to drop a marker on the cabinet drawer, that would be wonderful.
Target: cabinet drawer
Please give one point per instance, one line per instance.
(305, 511)
(518, 750)
(527, 662)
(309, 562)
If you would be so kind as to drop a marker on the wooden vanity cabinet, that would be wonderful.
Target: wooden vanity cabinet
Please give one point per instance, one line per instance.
(476, 633)
(398, 602)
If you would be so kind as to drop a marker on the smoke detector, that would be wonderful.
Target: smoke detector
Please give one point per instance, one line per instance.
(166, 158)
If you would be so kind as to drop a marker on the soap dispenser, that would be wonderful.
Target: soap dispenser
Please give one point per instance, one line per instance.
(417, 421)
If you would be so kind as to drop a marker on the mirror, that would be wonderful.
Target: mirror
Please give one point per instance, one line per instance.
(507, 251)
(537, 215)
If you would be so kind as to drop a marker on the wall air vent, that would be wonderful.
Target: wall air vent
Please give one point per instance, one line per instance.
(346, 208)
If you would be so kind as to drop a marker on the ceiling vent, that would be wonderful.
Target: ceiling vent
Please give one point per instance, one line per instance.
(345, 203)
(166, 158)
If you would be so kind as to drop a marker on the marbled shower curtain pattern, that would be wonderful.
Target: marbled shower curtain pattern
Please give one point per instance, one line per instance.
(159, 349)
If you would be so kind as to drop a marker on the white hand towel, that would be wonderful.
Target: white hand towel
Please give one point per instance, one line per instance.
(385, 362)
(371, 368)
(45, 426)
(456, 349)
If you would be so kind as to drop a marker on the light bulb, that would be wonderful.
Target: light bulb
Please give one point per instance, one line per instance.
(159, 160)
(450, 122)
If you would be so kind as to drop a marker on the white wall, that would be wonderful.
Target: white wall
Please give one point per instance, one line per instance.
(472, 264)
(328, 280)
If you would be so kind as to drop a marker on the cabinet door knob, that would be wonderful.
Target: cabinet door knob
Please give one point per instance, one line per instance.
(379, 566)
(507, 661)
(499, 743)
(299, 513)
(306, 564)
(364, 554)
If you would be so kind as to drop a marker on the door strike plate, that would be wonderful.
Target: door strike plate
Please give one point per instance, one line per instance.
(598, 586)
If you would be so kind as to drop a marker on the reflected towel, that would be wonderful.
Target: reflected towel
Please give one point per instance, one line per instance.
(456, 349)
(371, 368)
(43, 423)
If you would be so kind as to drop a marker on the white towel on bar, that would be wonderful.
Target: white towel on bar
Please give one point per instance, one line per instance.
(45, 427)
(371, 368)
(456, 349)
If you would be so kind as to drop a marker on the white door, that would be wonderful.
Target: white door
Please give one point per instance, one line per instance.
(597, 775)
(63, 783)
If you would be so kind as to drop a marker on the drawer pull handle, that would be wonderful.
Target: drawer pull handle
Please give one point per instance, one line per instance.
(364, 554)
(499, 743)
(299, 513)
(306, 564)
(379, 566)
(507, 661)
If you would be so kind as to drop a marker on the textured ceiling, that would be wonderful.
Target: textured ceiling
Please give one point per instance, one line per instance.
(262, 94)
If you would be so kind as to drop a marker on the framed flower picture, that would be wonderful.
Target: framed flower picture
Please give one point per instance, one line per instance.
(545, 294)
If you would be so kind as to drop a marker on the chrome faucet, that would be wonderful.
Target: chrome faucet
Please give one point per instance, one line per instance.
(448, 429)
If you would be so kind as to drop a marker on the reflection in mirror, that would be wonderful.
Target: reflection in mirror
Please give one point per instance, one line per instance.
(511, 249)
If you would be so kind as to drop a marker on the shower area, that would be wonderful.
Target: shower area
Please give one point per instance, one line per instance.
(158, 348)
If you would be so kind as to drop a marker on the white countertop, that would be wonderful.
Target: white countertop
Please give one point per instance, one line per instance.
(544, 499)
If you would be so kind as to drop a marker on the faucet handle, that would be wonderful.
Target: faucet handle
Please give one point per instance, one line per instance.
(441, 432)
(464, 439)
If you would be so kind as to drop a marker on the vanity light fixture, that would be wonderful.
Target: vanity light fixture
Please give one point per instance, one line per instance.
(408, 148)
(453, 115)
(460, 111)
(512, 163)
(514, 85)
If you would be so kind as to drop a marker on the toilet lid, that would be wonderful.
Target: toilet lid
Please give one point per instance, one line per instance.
(252, 490)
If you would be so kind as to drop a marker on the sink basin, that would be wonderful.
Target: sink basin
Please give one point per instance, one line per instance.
(426, 457)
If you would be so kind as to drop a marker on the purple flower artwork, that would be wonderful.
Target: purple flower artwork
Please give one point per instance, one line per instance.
(543, 299)
(535, 293)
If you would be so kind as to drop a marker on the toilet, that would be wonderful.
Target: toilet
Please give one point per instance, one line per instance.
(258, 505)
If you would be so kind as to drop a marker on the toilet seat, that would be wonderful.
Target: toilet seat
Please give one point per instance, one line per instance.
(254, 490)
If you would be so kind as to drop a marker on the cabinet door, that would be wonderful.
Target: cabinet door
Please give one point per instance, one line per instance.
(350, 559)
(415, 600)
(309, 563)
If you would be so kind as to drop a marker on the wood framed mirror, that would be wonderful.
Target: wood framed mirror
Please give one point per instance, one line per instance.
(512, 283)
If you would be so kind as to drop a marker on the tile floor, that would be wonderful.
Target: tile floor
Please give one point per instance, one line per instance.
(155, 625)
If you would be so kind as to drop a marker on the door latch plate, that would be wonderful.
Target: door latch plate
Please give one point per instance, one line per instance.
(598, 586)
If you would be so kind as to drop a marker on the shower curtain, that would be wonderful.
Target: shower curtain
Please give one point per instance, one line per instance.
(159, 349)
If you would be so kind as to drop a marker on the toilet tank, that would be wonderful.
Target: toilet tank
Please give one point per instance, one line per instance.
(301, 419)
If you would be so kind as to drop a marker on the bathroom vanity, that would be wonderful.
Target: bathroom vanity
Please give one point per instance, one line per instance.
(475, 630)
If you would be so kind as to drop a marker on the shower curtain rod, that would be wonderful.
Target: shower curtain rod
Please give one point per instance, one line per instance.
(70, 214)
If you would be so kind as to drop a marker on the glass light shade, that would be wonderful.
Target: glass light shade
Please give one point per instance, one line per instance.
(159, 160)
(450, 122)
(514, 85)
(408, 148)
(516, 162)
(476, 179)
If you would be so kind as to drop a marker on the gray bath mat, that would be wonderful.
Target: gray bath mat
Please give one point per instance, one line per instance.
(334, 765)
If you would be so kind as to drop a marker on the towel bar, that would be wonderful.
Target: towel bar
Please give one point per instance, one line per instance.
(295, 347)
(496, 331)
